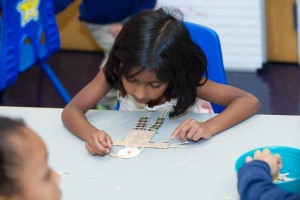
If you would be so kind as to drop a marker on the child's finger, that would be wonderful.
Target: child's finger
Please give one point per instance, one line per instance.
(257, 153)
(249, 158)
(196, 137)
(99, 145)
(191, 133)
(178, 130)
(266, 151)
(109, 141)
(100, 149)
(182, 136)
(278, 158)
(89, 148)
(101, 138)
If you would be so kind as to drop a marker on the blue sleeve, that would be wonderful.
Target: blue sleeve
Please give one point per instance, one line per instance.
(60, 5)
(255, 182)
(142, 5)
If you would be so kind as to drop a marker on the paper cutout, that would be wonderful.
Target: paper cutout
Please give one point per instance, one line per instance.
(140, 136)
(129, 152)
(282, 178)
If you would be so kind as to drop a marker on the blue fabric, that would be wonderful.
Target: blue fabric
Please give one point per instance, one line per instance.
(208, 40)
(255, 182)
(106, 11)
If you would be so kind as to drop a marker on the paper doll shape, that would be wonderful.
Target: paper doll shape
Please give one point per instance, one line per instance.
(141, 136)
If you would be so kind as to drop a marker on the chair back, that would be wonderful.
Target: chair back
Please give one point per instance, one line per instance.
(208, 40)
(25, 23)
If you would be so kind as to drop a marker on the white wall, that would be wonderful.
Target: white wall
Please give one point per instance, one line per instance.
(239, 23)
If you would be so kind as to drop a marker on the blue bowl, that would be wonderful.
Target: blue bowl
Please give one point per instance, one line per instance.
(290, 164)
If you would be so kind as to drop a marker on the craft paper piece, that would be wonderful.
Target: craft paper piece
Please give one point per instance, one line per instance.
(141, 135)
(129, 152)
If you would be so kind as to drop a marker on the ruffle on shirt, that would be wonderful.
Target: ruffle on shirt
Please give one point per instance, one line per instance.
(128, 103)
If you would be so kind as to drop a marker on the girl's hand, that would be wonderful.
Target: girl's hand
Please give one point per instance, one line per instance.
(99, 143)
(192, 130)
(274, 161)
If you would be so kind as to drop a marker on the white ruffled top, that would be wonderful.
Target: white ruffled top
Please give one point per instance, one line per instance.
(128, 103)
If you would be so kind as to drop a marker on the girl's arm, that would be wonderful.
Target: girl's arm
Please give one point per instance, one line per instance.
(240, 105)
(73, 115)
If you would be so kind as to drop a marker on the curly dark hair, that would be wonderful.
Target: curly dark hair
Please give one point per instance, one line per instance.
(9, 157)
(157, 40)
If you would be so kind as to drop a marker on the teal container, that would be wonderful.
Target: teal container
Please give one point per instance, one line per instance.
(290, 164)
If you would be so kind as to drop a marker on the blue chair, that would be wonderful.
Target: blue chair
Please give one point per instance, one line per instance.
(28, 36)
(209, 42)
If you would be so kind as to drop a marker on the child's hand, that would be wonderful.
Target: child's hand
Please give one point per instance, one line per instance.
(99, 143)
(274, 161)
(192, 130)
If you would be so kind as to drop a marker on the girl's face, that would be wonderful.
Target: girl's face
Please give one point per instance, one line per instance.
(36, 180)
(144, 87)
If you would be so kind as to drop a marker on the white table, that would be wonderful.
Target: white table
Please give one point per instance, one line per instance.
(202, 170)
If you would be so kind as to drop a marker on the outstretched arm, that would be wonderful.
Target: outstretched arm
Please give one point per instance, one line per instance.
(239, 106)
(255, 179)
(73, 115)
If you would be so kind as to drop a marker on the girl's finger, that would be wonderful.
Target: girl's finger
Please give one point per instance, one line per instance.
(191, 133)
(182, 137)
(101, 138)
(97, 146)
(89, 148)
(177, 131)
(109, 141)
(196, 137)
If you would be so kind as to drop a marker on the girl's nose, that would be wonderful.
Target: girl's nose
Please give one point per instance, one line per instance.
(139, 92)
(56, 177)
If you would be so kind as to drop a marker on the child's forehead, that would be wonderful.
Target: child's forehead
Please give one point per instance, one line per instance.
(27, 141)
(143, 73)
(141, 70)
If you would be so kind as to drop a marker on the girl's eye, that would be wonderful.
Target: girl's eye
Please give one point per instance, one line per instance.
(155, 86)
(130, 79)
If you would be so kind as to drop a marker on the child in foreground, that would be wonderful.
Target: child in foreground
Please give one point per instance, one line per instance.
(155, 65)
(255, 178)
(24, 171)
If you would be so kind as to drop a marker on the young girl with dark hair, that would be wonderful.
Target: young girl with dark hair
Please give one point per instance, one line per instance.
(155, 65)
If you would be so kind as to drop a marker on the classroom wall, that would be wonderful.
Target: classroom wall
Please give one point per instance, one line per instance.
(247, 41)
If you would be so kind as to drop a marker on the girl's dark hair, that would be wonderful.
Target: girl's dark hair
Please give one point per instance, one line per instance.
(159, 41)
(9, 158)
